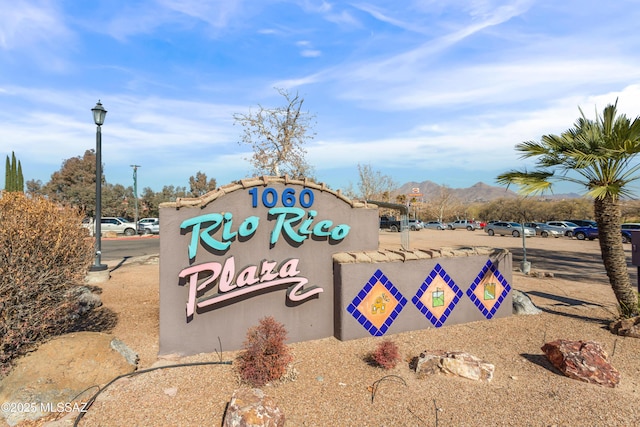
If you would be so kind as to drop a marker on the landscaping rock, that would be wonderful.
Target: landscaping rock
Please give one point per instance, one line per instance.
(252, 408)
(88, 299)
(61, 370)
(626, 327)
(582, 360)
(454, 363)
(522, 304)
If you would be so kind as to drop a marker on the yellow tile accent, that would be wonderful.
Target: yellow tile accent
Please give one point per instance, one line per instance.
(435, 307)
(378, 305)
(489, 283)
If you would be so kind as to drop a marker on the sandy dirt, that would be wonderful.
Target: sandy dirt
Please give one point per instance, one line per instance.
(332, 385)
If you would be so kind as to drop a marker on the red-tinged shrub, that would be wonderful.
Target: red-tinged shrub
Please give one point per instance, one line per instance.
(386, 355)
(265, 356)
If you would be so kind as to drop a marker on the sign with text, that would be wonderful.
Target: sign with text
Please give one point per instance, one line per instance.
(255, 248)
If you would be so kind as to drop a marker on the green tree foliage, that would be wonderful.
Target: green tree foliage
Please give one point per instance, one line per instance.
(7, 175)
(150, 200)
(277, 137)
(75, 183)
(533, 209)
(117, 200)
(34, 187)
(199, 185)
(600, 155)
(14, 180)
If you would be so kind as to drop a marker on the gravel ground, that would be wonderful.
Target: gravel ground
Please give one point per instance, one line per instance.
(332, 385)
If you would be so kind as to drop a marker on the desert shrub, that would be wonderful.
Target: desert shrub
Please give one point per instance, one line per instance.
(44, 256)
(386, 355)
(265, 356)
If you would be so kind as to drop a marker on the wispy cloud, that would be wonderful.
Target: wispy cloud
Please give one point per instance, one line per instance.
(36, 31)
(455, 84)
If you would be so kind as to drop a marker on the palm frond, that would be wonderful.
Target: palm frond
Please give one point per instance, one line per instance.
(536, 182)
(596, 154)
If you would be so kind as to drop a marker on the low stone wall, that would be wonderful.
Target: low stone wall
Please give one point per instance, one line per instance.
(385, 292)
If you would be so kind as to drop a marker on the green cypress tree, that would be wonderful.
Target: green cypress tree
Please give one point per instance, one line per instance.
(20, 179)
(14, 180)
(7, 175)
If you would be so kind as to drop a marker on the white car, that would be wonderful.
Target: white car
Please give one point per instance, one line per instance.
(118, 225)
(464, 224)
(544, 230)
(434, 225)
(565, 227)
(149, 227)
(145, 221)
(508, 229)
(415, 224)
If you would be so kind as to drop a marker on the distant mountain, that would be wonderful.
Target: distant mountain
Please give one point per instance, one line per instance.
(479, 192)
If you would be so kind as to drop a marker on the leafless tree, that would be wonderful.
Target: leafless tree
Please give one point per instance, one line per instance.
(443, 204)
(374, 185)
(277, 137)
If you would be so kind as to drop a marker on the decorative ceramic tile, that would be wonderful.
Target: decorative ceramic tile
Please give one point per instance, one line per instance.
(377, 305)
(488, 290)
(437, 296)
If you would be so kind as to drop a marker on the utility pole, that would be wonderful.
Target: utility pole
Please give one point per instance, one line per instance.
(135, 191)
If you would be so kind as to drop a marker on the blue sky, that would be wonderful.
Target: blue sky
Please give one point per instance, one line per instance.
(420, 90)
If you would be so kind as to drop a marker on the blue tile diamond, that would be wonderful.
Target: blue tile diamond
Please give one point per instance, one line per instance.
(437, 296)
(377, 305)
(489, 290)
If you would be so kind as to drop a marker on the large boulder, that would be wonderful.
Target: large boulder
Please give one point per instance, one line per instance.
(522, 304)
(454, 363)
(251, 407)
(626, 327)
(61, 369)
(582, 360)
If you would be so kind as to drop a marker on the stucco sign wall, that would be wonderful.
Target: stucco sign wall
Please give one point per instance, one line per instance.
(256, 248)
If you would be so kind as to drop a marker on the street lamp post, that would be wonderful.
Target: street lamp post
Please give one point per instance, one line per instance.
(135, 190)
(99, 114)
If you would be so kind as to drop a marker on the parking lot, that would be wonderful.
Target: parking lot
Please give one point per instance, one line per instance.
(567, 258)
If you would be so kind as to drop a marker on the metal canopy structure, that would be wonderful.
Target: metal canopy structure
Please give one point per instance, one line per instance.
(404, 220)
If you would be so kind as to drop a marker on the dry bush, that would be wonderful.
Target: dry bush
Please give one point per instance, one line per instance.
(265, 356)
(44, 255)
(386, 355)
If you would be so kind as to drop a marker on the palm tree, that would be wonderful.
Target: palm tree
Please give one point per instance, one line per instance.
(599, 155)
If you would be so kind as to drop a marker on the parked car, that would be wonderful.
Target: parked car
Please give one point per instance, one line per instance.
(390, 223)
(585, 233)
(631, 226)
(627, 230)
(145, 221)
(591, 233)
(565, 227)
(118, 225)
(543, 230)
(508, 228)
(434, 225)
(463, 223)
(149, 227)
(415, 224)
(583, 222)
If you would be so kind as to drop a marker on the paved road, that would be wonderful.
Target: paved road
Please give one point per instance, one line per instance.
(567, 258)
(123, 248)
